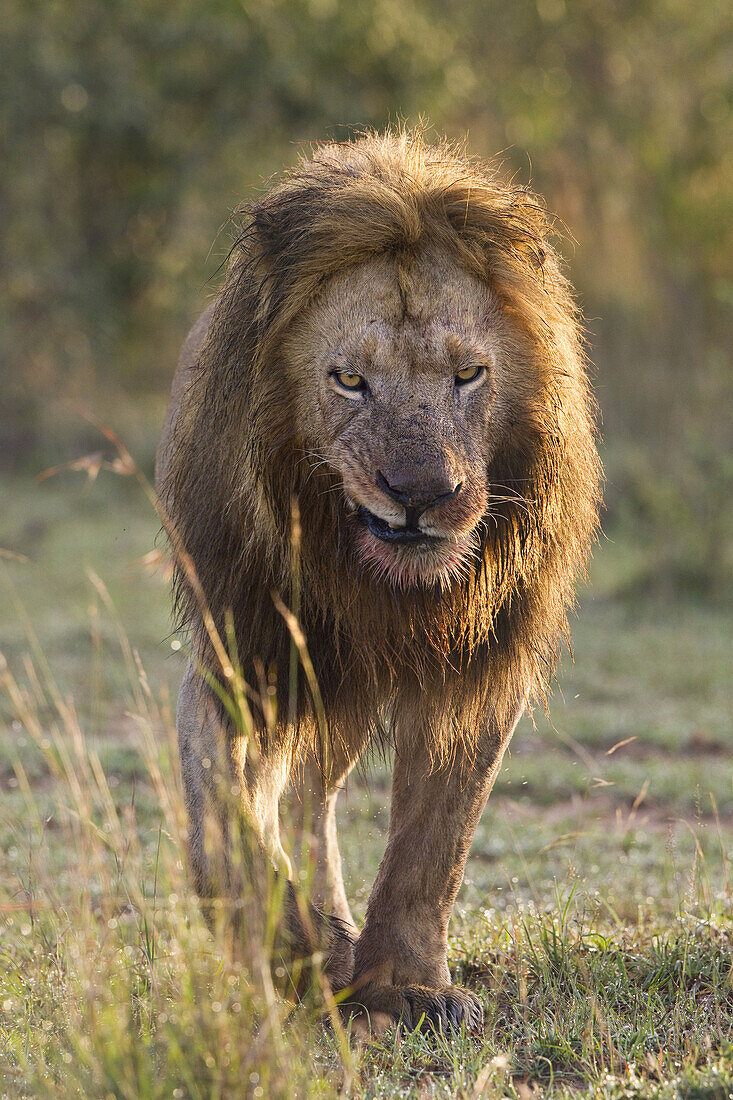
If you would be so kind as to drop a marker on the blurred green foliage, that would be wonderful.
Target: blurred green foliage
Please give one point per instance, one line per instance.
(131, 129)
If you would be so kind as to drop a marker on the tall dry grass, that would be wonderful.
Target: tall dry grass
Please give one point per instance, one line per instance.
(118, 984)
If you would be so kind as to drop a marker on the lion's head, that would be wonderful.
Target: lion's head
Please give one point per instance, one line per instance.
(397, 351)
(402, 368)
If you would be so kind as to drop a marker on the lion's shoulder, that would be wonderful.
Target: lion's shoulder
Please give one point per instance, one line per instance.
(181, 380)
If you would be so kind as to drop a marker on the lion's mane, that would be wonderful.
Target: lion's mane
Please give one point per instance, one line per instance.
(237, 463)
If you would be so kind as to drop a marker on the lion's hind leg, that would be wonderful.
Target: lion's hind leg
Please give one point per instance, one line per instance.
(313, 812)
(310, 935)
(192, 737)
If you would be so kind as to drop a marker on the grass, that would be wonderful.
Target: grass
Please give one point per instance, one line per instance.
(594, 921)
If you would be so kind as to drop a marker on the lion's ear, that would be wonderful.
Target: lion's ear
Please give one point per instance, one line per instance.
(491, 222)
(265, 228)
(282, 220)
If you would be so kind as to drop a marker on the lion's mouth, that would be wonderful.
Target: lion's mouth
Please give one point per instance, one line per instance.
(411, 536)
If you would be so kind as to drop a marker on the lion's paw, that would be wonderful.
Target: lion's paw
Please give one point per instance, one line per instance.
(438, 1010)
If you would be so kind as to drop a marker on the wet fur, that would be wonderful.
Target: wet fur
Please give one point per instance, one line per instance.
(237, 460)
(440, 667)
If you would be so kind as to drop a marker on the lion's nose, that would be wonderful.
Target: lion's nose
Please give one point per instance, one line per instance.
(417, 498)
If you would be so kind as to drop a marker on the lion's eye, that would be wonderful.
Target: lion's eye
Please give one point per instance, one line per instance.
(349, 380)
(469, 374)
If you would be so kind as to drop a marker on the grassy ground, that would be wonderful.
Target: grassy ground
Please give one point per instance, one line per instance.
(595, 918)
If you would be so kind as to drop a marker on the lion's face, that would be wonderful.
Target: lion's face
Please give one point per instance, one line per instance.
(401, 373)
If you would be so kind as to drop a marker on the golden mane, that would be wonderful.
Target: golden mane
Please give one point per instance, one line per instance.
(237, 463)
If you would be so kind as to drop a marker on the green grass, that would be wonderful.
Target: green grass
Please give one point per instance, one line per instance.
(595, 918)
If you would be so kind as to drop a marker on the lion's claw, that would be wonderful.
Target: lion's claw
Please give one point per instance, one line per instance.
(443, 1009)
(413, 1007)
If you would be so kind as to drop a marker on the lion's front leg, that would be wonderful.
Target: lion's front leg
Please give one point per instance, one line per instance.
(401, 963)
(234, 843)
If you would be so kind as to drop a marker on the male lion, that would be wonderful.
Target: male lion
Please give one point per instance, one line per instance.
(384, 424)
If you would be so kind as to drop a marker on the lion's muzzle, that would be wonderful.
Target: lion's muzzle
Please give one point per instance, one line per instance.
(417, 496)
(410, 534)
